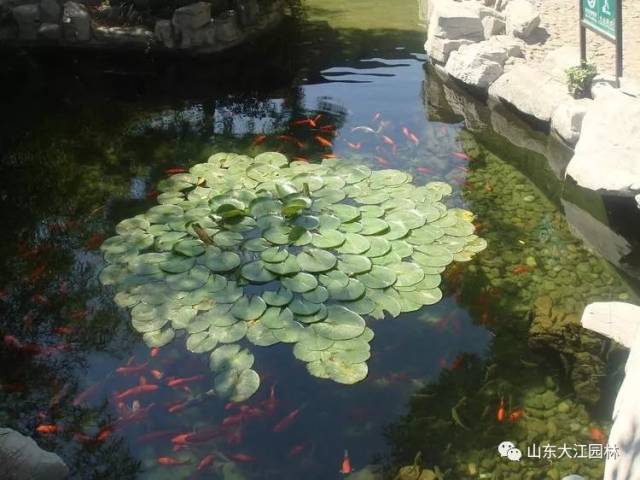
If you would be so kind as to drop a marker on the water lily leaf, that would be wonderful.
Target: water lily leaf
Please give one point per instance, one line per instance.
(373, 226)
(327, 238)
(397, 229)
(159, 338)
(230, 357)
(346, 373)
(330, 195)
(256, 272)
(188, 281)
(249, 308)
(437, 257)
(231, 334)
(277, 235)
(308, 222)
(275, 317)
(346, 213)
(315, 260)
(164, 213)
(318, 316)
(237, 386)
(378, 247)
(302, 307)
(355, 174)
(227, 239)
(275, 159)
(354, 290)
(476, 245)
(130, 225)
(354, 264)
(408, 273)
(334, 279)
(224, 262)
(189, 248)
(264, 206)
(311, 340)
(167, 240)
(290, 333)
(260, 335)
(289, 266)
(317, 295)
(302, 353)
(379, 277)
(229, 294)
(274, 255)
(340, 324)
(278, 299)
(355, 244)
(300, 282)
(181, 317)
(328, 222)
(256, 245)
(177, 264)
(201, 342)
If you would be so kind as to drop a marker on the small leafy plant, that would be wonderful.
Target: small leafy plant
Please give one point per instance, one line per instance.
(579, 79)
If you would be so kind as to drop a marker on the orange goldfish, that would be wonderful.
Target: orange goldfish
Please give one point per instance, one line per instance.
(323, 141)
(345, 468)
(501, 413)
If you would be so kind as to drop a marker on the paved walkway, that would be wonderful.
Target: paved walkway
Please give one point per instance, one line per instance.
(560, 20)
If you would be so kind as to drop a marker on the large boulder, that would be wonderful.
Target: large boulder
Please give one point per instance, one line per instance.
(192, 16)
(76, 22)
(566, 120)
(28, 19)
(22, 459)
(227, 28)
(606, 156)
(557, 61)
(532, 92)
(163, 32)
(451, 25)
(477, 65)
(492, 26)
(522, 18)
(50, 31)
(50, 11)
(513, 46)
(136, 37)
(248, 11)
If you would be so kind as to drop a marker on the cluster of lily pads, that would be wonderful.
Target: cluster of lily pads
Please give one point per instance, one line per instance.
(277, 251)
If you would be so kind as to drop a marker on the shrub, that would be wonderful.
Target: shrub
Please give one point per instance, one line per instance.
(579, 79)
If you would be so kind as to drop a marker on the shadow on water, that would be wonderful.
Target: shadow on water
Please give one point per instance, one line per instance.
(90, 138)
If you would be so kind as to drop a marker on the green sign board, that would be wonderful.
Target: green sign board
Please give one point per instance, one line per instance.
(600, 15)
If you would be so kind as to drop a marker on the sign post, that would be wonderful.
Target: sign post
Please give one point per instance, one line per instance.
(603, 17)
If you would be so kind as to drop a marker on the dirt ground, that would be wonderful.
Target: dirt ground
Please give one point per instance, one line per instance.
(560, 20)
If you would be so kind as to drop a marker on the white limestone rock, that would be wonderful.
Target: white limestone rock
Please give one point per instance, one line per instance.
(192, 16)
(163, 31)
(513, 46)
(532, 92)
(557, 61)
(124, 36)
(451, 25)
(522, 18)
(492, 26)
(76, 22)
(50, 31)
(477, 65)
(22, 459)
(567, 119)
(606, 156)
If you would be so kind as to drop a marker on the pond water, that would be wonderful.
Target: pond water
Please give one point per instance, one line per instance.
(88, 143)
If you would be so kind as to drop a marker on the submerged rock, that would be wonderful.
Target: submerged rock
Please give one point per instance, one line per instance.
(22, 459)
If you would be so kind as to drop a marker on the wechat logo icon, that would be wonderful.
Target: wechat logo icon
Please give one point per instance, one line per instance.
(509, 450)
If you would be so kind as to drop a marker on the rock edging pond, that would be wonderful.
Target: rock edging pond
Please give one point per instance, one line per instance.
(196, 28)
(479, 45)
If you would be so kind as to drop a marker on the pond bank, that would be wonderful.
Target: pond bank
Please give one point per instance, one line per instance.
(482, 49)
(195, 29)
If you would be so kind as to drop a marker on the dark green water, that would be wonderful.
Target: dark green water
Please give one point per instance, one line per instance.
(89, 138)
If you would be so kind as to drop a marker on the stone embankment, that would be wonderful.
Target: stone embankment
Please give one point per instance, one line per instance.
(199, 28)
(22, 459)
(480, 45)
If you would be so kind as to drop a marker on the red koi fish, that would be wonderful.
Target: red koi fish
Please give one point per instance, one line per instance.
(345, 468)
(174, 170)
(271, 403)
(305, 121)
(178, 406)
(286, 422)
(354, 146)
(64, 330)
(376, 117)
(520, 269)
(176, 382)
(317, 118)
(104, 433)
(329, 155)
(259, 140)
(382, 161)
(148, 388)
(323, 141)
(153, 436)
(157, 374)
(301, 159)
(501, 413)
(297, 450)
(171, 462)
(409, 135)
(242, 457)
(516, 415)
(328, 128)
(206, 462)
(154, 351)
(388, 140)
(37, 273)
(462, 156)
(82, 397)
(425, 170)
(132, 369)
(47, 429)
(290, 139)
(597, 435)
(457, 363)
